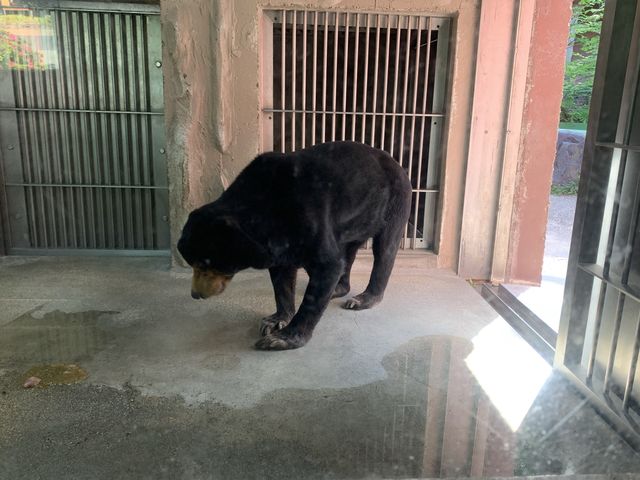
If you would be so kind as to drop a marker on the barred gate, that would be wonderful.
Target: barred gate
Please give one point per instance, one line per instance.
(378, 79)
(82, 129)
(599, 337)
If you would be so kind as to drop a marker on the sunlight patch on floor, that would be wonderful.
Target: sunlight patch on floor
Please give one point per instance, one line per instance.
(509, 371)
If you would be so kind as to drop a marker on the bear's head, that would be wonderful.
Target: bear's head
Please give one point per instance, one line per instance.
(215, 246)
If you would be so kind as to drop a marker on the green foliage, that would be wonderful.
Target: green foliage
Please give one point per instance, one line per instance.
(579, 72)
(573, 126)
(570, 188)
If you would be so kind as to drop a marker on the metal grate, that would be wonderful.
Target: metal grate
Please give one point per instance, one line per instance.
(373, 78)
(81, 126)
(599, 337)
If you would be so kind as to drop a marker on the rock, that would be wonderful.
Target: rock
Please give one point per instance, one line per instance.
(568, 161)
(31, 382)
(570, 136)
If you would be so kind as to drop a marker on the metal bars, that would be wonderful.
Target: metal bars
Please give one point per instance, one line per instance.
(599, 337)
(375, 78)
(80, 133)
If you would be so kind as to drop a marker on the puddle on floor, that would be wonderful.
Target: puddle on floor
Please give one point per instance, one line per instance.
(430, 417)
(53, 337)
(55, 374)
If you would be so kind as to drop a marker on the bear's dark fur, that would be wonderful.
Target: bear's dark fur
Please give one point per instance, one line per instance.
(311, 209)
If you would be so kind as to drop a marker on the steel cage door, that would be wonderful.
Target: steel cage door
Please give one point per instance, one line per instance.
(82, 129)
(598, 340)
(375, 78)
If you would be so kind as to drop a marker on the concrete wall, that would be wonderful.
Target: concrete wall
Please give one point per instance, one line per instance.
(213, 98)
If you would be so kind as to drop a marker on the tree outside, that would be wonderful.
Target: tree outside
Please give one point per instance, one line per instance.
(581, 63)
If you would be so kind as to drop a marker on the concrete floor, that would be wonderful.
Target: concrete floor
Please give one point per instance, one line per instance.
(546, 300)
(430, 383)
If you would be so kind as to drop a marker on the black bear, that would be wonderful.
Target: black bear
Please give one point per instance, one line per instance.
(311, 209)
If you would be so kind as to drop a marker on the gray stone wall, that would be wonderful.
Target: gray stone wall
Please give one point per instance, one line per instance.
(569, 148)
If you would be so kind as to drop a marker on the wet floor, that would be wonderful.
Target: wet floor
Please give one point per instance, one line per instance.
(426, 387)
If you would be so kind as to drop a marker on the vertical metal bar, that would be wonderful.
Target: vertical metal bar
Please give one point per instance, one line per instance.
(414, 105)
(27, 152)
(116, 120)
(79, 125)
(156, 99)
(375, 84)
(396, 78)
(631, 373)
(38, 165)
(75, 158)
(269, 79)
(404, 108)
(84, 127)
(135, 69)
(614, 341)
(65, 123)
(345, 69)
(283, 81)
(145, 126)
(314, 89)
(92, 43)
(596, 335)
(615, 212)
(56, 139)
(125, 126)
(52, 121)
(50, 142)
(97, 36)
(424, 86)
(114, 137)
(294, 61)
(304, 79)
(366, 79)
(356, 60)
(106, 85)
(34, 97)
(138, 145)
(435, 137)
(335, 77)
(324, 75)
(404, 90)
(386, 83)
(124, 157)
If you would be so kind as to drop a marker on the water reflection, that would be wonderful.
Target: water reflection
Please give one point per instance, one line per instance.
(432, 415)
(52, 337)
(28, 39)
(433, 418)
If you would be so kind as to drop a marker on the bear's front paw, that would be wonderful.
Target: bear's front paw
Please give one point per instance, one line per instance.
(282, 340)
(362, 301)
(273, 323)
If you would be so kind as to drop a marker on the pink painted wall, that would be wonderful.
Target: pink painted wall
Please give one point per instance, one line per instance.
(538, 139)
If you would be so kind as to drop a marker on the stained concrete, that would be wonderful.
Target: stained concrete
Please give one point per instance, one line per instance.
(430, 383)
